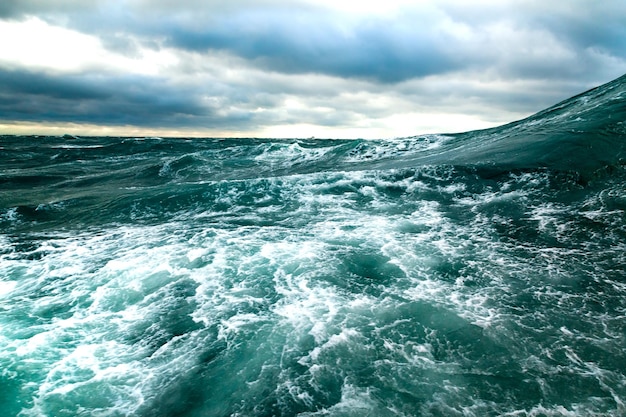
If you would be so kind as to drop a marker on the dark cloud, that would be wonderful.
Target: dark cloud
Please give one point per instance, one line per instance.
(602, 28)
(19, 8)
(151, 102)
(18, 83)
(293, 42)
(109, 100)
(288, 39)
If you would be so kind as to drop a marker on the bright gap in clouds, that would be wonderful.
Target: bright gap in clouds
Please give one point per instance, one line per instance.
(34, 44)
(364, 6)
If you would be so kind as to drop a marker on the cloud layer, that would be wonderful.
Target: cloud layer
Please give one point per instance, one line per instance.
(277, 68)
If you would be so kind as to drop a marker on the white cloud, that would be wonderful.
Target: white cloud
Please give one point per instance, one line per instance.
(35, 44)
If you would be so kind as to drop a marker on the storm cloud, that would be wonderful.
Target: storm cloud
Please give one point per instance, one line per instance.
(302, 68)
(96, 99)
(290, 42)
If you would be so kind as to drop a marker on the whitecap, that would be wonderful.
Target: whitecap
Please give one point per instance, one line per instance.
(7, 287)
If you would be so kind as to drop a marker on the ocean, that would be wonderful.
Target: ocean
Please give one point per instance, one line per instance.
(474, 274)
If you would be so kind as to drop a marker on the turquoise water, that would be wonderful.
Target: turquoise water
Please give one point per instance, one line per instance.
(477, 274)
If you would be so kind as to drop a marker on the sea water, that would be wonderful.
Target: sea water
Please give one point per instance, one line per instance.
(477, 274)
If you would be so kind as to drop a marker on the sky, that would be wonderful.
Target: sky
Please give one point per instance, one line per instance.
(297, 68)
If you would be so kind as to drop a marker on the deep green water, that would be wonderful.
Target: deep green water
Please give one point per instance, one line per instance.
(479, 274)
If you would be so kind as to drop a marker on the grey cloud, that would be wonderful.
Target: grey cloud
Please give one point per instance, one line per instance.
(298, 38)
(31, 96)
(26, 83)
(580, 25)
(152, 102)
(303, 41)
(275, 36)
(604, 31)
(19, 8)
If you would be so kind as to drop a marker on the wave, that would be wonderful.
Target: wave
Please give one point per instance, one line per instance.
(584, 133)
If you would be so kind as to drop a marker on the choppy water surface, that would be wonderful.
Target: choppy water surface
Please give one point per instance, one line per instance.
(480, 274)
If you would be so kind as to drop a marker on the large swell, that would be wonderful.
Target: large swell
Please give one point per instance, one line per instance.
(480, 274)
